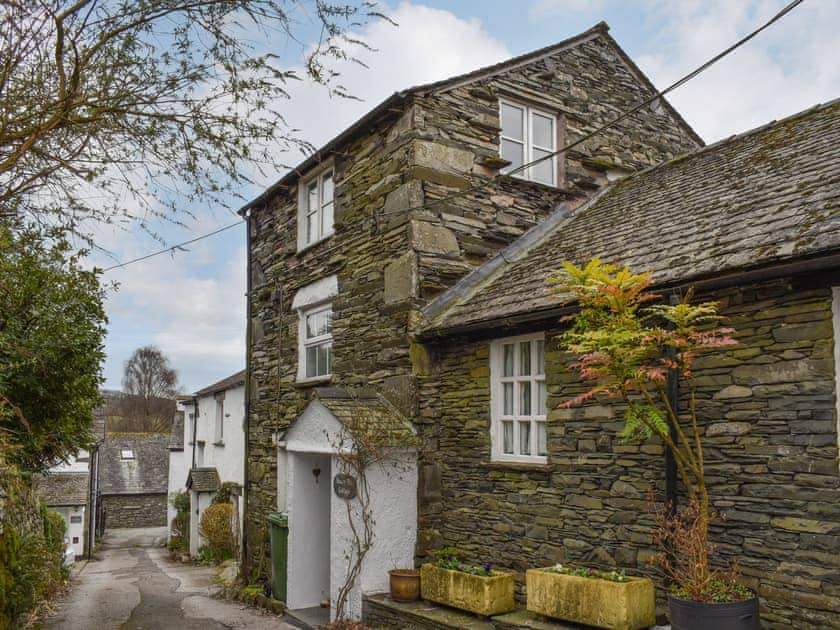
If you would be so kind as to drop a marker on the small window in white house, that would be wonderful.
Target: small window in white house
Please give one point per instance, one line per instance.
(191, 428)
(199, 454)
(127, 453)
(75, 519)
(527, 135)
(75, 540)
(518, 399)
(317, 209)
(220, 419)
(316, 342)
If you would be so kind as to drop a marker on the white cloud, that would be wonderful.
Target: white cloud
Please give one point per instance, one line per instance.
(787, 68)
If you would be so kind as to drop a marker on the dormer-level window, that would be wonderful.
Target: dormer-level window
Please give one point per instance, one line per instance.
(316, 341)
(316, 203)
(528, 134)
(126, 453)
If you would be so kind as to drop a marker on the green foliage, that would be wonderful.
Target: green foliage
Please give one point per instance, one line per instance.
(450, 558)
(216, 526)
(31, 549)
(180, 526)
(225, 492)
(589, 572)
(642, 422)
(52, 327)
(180, 501)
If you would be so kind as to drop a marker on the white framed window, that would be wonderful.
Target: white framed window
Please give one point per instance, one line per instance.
(126, 453)
(518, 399)
(315, 335)
(316, 208)
(528, 134)
(220, 418)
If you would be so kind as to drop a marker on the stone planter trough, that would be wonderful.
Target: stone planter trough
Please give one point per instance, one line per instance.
(626, 605)
(486, 596)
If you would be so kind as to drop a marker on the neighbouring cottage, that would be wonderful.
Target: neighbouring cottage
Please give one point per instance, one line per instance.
(752, 222)
(67, 493)
(207, 449)
(133, 476)
(346, 250)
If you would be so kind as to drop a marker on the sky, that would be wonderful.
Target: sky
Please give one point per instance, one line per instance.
(191, 304)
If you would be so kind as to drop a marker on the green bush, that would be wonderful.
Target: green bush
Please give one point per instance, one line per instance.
(180, 541)
(225, 492)
(216, 526)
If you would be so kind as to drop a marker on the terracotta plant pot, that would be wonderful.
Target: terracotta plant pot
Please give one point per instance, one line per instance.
(405, 584)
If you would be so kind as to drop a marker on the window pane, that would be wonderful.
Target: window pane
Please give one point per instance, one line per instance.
(513, 153)
(541, 399)
(311, 361)
(525, 358)
(524, 438)
(507, 437)
(327, 189)
(324, 358)
(543, 130)
(318, 324)
(540, 357)
(327, 219)
(525, 398)
(512, 119)
(312, 197)
(541, 448)
(311, 227)
(507, 364)
(507, 389)
(544, 171)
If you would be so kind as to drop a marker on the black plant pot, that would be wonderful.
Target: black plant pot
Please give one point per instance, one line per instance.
(689, 615)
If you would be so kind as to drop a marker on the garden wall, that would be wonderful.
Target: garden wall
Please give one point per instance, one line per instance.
(134, 510)
(771, 446)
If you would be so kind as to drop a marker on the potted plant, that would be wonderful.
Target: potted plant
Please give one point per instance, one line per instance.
(603, 599)
(478, 589)
(626, 347)
(405, 584)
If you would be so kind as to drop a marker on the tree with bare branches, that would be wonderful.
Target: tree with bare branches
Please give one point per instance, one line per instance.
(121, 109)
(147, 374)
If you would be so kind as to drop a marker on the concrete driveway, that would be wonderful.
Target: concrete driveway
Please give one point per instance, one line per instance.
(133, 585)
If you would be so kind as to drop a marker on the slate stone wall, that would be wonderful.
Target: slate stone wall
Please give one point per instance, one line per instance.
(134, 510)
(768, 409)
(391, 255)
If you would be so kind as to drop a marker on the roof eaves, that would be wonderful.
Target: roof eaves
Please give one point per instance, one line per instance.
(466, 286)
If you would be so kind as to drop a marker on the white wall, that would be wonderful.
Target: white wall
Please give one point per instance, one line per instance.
(74, 530)
(393, 493)
(179, 463)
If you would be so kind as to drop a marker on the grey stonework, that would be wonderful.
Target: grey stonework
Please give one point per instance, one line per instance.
(391, 260)
(134, 510)
(768, 407)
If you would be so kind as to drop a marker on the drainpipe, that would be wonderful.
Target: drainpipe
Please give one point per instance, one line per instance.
(194, 429)
(673, 388)
(246, 421)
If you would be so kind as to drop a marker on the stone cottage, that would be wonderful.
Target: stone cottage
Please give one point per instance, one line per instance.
(133, 477)
(752, 222)
(346, 250)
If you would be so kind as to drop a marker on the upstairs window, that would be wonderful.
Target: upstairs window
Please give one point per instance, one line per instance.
(316, 209)
(518, 399)
(219, 433)
(316, 342)
(126, 453)
(528, 134)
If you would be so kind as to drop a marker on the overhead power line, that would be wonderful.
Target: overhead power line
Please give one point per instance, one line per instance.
(426, 206)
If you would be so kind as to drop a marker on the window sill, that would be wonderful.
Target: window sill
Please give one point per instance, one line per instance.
(219, 443)
(307, 246)
(312, 382)
(521, 466)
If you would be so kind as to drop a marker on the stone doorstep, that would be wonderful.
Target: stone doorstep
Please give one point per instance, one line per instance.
(428, 615)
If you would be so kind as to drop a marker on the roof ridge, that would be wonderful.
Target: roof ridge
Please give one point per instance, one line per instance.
(531, 239)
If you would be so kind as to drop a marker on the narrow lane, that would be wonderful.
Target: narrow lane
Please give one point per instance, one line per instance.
(134, 586)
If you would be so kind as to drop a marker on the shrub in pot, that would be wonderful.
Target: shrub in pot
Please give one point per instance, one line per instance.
(627, 347)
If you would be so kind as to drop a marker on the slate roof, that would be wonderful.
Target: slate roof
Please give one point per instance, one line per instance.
(765, 197)
(231, 381)
(176, 436)
(352, 408)
(147, 473)
(393, 104)
(64, 488)
(203, 480)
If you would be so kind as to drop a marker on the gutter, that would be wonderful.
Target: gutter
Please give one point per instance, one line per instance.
(246, 421)
(195, 429)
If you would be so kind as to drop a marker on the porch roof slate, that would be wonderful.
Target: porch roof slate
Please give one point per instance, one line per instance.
(764, 197)
(204, 479)
(353, 408)
(63, 488)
